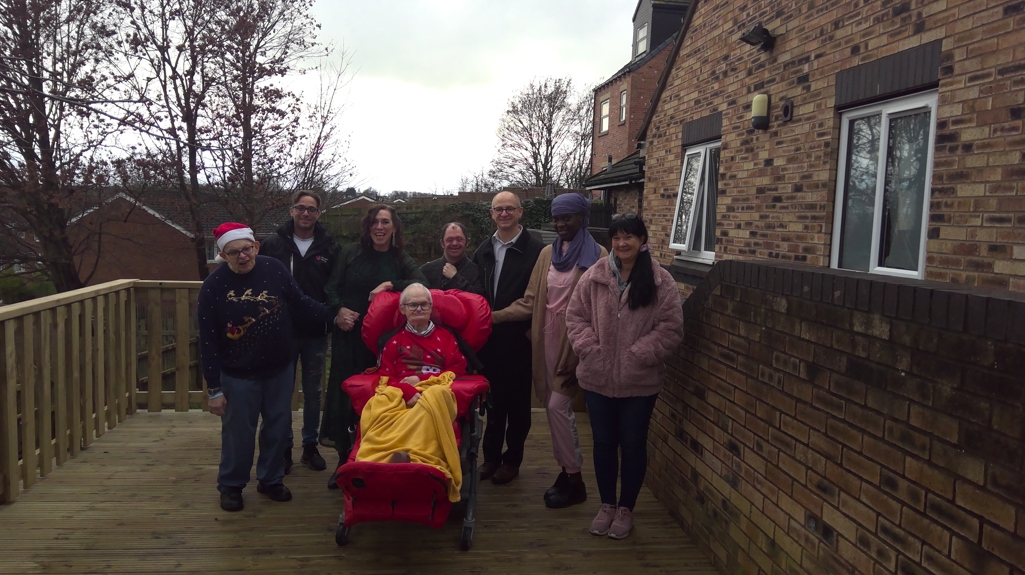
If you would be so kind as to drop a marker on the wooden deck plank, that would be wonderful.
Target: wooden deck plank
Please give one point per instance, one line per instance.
(142, 500)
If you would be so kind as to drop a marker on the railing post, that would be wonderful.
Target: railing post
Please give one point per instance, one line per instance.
(181, 350)
(28, 403)
(75, 394)
(87, 370)
(154, 341)
(61, 381)
(45, 429)
(9, 416)
(132, 361)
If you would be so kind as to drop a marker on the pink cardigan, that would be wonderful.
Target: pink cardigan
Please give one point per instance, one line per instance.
(622, 351)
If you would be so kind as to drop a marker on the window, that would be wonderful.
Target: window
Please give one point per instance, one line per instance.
(622, 106)
(882, 186)
(604, 127)
(211, 250)
(642, 40)
(694, 221)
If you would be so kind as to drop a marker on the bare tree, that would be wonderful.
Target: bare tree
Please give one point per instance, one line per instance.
(480, 181)
(54, 128)
(540, 136)
(171, 52)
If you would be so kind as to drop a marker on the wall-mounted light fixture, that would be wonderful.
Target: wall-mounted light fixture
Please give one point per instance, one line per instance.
(760, 112)
(759, 36)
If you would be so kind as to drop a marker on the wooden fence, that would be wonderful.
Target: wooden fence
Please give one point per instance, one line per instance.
(76, 364)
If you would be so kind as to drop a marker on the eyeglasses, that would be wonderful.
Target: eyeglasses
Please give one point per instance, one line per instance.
(312, 210)
(504, 209)
(424, 305)
(626, 216)
(248, 250)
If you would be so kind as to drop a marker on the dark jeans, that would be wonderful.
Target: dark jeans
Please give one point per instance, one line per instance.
(507, 366)
(311, 352)
(620, 423)
(248, 400)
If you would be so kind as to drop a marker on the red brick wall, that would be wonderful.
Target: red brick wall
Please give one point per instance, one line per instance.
(777, 186)
(135, 245)
(621, 139)
(821, 422)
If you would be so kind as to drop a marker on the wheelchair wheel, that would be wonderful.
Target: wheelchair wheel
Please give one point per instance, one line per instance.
(466, 540)
(342, 535)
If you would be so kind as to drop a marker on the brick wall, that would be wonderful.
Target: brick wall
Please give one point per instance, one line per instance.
(777, 186)
(135, 245)
(822, 422)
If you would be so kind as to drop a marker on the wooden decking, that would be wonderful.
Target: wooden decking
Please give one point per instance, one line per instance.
(142, 499)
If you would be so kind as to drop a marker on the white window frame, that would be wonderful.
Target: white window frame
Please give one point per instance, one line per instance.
(211, 251)
(683, 244)
(603, 112)
(890, 108)
(622, 106)
(641, 40)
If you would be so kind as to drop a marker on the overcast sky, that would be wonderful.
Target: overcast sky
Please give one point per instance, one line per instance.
(433, 76)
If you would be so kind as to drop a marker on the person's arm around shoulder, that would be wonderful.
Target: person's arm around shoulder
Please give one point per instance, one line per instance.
(580, 321)
(523, 308)
(667, 333)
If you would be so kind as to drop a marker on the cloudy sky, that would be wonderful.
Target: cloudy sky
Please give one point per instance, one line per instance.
(432, 77)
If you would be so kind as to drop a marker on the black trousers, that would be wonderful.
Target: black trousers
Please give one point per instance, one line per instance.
(506, 359)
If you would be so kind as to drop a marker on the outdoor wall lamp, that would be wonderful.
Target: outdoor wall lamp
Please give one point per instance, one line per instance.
(760, 112)
(759, 36)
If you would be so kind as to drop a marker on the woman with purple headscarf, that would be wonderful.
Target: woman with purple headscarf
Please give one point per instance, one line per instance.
(552, 281)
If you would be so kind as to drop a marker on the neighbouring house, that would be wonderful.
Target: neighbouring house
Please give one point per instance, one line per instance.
(839, 189)
(359, 201)
(621, 103)
(147, 238)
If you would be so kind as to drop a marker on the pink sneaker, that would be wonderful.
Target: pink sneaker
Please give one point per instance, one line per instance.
(602, 521)
(622, 524)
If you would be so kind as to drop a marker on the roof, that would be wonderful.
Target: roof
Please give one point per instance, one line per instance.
(661, 86)
(629, 170)
(637, 63)
(354, 200)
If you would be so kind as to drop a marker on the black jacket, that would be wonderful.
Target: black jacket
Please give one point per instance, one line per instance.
(519, 263)
(310, 271)
(467, 276)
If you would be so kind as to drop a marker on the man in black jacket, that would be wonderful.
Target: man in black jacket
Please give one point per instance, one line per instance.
(506, 260)
(453, 270)
(309, 252)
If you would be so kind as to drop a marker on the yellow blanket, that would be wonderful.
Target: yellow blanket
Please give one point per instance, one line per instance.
(424, 430)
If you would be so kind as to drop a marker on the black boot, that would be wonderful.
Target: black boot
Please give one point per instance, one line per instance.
(288, 460)
(571, 492)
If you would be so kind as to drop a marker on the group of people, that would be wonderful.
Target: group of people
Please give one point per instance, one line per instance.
(566, 315)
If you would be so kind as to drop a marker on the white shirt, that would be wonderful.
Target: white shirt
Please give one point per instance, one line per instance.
(302, 244)
(500, 248)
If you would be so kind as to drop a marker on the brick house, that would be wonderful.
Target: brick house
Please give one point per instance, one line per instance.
(147, 238)
(849, 397)
(621, 103)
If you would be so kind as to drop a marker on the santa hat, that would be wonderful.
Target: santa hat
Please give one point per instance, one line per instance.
(231, 231)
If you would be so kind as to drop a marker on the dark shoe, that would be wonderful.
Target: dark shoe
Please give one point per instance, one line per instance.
(571, 492)
(560, 482)
(288, 461)
(231, 500)
(399, 457)
(311, 458)
(277, 492)
(487, 469)
(504, 474)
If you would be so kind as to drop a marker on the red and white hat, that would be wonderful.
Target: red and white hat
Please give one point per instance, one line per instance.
(231, 231)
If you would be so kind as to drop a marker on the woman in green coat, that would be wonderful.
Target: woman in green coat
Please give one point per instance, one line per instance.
(365, 269)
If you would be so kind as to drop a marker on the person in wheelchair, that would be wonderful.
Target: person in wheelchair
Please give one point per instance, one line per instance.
(410, 419)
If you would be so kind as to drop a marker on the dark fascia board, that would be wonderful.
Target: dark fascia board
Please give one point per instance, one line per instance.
(661, 86)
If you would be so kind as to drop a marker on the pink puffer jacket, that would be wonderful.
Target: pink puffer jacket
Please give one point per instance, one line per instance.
(622, 351)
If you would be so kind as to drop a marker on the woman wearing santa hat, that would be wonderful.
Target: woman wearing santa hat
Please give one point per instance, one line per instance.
(245, 314)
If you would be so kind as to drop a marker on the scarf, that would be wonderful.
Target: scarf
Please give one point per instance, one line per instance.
(583, 251)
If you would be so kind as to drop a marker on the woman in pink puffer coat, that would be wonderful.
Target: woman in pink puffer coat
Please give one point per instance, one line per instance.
(624, 320)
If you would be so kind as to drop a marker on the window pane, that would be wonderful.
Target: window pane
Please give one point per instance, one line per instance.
(859, 194)
(622, 105)
(688, 189)
(906, 157)
(711, 198)
(604, 115)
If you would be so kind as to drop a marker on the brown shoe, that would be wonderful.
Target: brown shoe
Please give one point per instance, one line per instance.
(487, 469)
(504, 474)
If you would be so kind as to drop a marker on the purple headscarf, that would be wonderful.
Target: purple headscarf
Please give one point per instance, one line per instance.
(583, 250)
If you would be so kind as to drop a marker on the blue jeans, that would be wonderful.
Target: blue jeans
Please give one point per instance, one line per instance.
(620, 423)
(311, 353)
(248, 400)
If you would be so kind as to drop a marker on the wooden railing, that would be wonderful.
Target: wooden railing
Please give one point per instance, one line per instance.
(76, 364)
